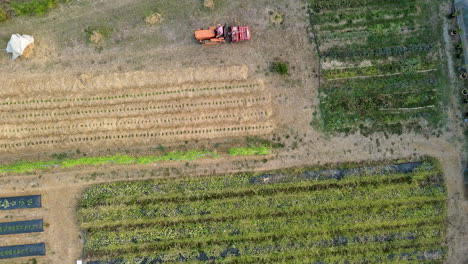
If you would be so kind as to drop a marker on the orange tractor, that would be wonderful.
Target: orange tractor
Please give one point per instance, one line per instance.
(222, 34)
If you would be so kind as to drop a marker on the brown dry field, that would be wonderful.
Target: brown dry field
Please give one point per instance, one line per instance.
(146, 59)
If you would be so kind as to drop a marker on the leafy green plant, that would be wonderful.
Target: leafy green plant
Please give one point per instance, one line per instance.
(281, 68)
(3, 14)
(96, 34)
(250, 151)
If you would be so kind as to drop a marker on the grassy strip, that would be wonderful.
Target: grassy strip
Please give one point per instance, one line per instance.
(23, 166)
(250, 151)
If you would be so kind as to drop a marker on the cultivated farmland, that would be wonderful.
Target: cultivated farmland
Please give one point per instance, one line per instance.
(141, 149)
(163, 111)
(379, 213)
(380, 65)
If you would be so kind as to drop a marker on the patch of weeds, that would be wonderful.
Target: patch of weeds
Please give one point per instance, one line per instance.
(153, 17)
(264, 142)
(276, 18)
(249, 151)
(294, 145)
(97, 34)
(161, 148)
(35, 7)
(3, 15)
(59, 156)
(282, 68)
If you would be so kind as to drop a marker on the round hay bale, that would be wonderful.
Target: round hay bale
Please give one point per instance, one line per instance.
(96, 37)
(28, 51)
(276, 18)
(153, 18)
(209, 4)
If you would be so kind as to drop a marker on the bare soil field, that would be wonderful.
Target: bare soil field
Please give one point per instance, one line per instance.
(149, 85)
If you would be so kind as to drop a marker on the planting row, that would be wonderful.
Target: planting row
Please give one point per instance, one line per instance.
(20, 202)
(133, 109)
(32, 130)
(146, 95)
(126, 192)
(19, 227)
(22, 251)
(147, 137)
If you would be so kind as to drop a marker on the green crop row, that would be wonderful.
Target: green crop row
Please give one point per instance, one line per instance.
(248, 203)
(240, 228)
(268, 189)
(206, 187)
(279, 247)
(24, 166)
(341, 252)
(380, 26)
(343, 101)
(259, 212)
(346, 122)
(411, 65)
(319, 5)
(393, 83)
(374, 13)
(249, 151)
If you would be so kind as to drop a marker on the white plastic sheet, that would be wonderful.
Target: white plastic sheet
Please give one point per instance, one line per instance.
(17, 44)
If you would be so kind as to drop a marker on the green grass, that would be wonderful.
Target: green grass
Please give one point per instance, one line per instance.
(282, 68)
(3, 15)
(61, 160)
(24, 166)
(288, 216)
(34, 7)
(250, 151)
